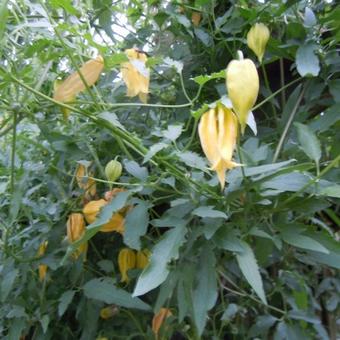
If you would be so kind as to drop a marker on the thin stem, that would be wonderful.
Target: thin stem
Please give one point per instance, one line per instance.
(193, 134)
(14, 139)
(183, 87)
(289, 122)
(269, 89)
(282, 79)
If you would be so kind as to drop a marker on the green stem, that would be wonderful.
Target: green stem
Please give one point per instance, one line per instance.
(282, 79)
(14, 139)
(269, 89)
(288, 124)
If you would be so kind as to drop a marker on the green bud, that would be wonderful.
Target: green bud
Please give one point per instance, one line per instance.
(113, 170)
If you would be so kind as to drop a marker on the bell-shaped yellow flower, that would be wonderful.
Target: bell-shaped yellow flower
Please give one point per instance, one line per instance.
(42, 267)
(159, 319)
(126, 261)
(75, 229)
(136, 75)
(257, 39)
(142, 258)
(85, 183)
(108, 312)
(218, 133)
(67, 90)
(242, 82)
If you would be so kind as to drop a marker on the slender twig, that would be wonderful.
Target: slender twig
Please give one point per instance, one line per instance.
(288, 124)
(14, 138)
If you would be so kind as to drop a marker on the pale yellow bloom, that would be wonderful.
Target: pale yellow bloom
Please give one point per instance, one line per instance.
(218, 133)
(136, 75)
(42, 267)
(67, 90)
(242, 82)
(257, 39)
(142, 258)
(126, 261)
(85, 183)
(75, 229)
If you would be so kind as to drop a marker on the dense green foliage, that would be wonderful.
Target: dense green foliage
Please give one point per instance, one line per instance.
(257, 260)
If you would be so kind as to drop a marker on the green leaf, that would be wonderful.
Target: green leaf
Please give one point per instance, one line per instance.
(199, 112)
(249, 268)
(263, 170)
(44, 321)
(326, 119)
(64, 301)
(307, 62)
(202, 79)
(166, 250)
(111, 118)
(334, 89)
(309, 142)
(331, 191)
(302, 241)
(193, 160)
(7, 283)
(104, 290)
(209, 211)
(205, 293)
(136, 225)
(116, 59)
(203, 36)
(16, 327)
(3, 17)
(172, 132)
(66, 5)
(133, 168)
(225, 238)
(153, 150)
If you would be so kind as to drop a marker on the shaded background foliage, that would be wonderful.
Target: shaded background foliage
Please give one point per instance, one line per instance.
(276, 224)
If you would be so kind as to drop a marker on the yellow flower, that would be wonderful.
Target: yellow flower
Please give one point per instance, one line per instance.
(75, 229)
(92, 209)
(142, 258)
(126, 261)
(136, 75)
(242, 82)
(108, 312)
(42, 267)
(85, 183)
(218, 132)
(196, 18)
(158, 320)
(73, 84)
(257, 39)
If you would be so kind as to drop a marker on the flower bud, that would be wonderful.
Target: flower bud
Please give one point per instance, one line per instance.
(242, 82)
(113, 170)
(42, 267)
(92, 209)
(75, 228)
(136, 75)
(142, 258)
(109, 312)
(126, 261)
(257, 39)
(159, 318)
(196, 18)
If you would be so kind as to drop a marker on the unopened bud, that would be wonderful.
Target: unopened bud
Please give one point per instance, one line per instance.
(113, 170)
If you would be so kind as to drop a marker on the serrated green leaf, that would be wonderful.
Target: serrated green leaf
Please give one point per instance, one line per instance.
(164, 251)
(304, 242)
(205, 293)
(249, 268)
(104, 290)
(309, 142)
(202, 79)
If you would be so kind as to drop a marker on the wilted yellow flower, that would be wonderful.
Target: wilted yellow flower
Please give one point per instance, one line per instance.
(242, 82)
(257, 39)
(92, 209)
(196, 18)
(42, 267)
(158, 320)
(85, 183)
(135, 74)
(126, 261)
(108, 312)
(75, 229)
(218, 132)
(67, 90)
(142, 258)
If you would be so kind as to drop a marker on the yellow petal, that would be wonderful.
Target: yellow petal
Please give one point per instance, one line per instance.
(73, 85)
(242, 82)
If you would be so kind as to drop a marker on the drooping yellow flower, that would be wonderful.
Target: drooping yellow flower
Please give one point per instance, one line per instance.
(42, 267)
(84, 182)
(126, 261)
(257, 39)
(158, 320)
(142, 258)
(75, 229)
(242, 82)
(218, 133)
(92, 209)
(67, 90)
(136, 75)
